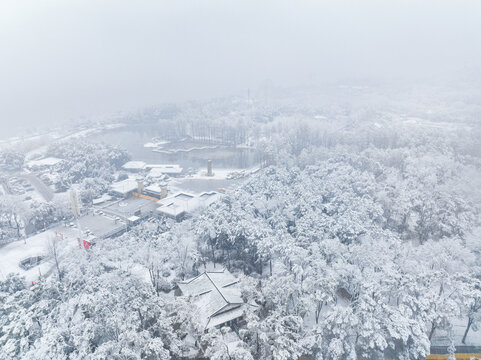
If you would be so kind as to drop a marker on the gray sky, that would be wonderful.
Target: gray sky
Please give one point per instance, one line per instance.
(60, 59)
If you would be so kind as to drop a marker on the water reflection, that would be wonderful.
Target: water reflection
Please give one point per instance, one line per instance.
(133, 138)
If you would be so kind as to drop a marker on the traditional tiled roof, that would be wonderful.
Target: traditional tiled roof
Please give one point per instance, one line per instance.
(216, 295)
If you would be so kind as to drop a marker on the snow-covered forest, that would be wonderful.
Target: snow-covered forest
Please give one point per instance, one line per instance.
(362, 241)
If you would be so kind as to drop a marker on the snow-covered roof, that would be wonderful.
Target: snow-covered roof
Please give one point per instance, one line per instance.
(48, 161)
(156, 173)
(183, 196)
(124, 186)
(182, 202)
(102, 199)
(177, 204)
(208, 198)
(226, 316)
(133, 218)
(155, 188)
(158, 170)
(172, 209)
(134, 165)
(204, 282)
(217, 297)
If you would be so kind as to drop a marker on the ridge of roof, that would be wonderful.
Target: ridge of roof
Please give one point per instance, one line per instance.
(205, 272)
(220, 292)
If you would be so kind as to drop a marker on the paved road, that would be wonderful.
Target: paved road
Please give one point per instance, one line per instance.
(43, 189)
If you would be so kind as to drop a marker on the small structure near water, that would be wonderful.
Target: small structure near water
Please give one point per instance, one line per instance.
(209, 168)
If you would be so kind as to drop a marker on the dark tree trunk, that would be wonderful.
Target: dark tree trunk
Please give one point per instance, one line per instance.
(213, 254)
(431, 333)
(318, 310)
(470, 322)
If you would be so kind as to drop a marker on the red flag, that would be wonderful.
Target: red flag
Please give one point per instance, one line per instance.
(86, 244)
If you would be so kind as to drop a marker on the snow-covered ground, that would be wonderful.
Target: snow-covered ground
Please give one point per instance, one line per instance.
(198, 186)
(223, 174)
(13, 253)
(199, 182)
(441, 337)
(218, 174)
(190, 149)
(58, 135)
(157, 144)
(12, 141)
(412, 121)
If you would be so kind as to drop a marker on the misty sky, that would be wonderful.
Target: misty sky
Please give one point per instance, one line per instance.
(61, 59)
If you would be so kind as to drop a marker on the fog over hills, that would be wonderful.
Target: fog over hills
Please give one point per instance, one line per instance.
(64, 60)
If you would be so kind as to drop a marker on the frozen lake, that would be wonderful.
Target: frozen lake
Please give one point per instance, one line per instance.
(133, 138)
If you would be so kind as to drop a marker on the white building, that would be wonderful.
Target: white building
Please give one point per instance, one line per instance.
(156, 191)
(207, 198)
(134, 166)
(43, 163)
(177, 206)
(104, 198)
(181, 204)
(133, 220)
(217, 298)
(124, 188)
(163, 169)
